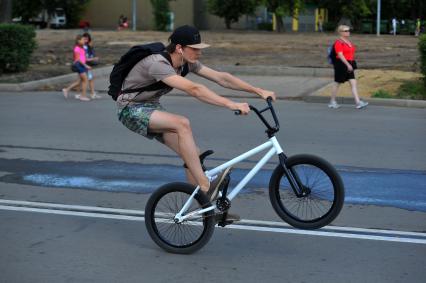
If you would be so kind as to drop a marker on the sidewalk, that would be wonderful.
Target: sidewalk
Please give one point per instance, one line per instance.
(287, 83)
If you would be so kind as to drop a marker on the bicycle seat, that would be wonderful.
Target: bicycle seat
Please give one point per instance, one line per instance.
(205, 154)
(202, 157)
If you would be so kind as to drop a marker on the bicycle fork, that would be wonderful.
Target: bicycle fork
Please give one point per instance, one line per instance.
(292, 177)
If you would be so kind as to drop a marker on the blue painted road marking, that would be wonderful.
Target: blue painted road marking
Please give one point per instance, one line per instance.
(397, 188)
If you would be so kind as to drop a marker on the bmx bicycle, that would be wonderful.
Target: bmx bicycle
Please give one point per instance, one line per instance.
(305, 191)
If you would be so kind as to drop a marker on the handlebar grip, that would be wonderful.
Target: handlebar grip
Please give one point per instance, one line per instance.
(237, 112)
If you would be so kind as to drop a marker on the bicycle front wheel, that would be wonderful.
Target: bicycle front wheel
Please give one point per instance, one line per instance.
(324, 192)
(182, 238)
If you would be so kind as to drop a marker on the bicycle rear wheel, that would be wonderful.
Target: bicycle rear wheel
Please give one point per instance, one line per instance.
(324, 187)
(182, 238)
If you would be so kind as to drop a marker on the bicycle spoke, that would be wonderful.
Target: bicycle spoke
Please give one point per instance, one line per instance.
(320, 195)
(177, 234)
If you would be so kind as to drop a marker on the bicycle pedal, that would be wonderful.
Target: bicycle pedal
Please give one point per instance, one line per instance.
(223, 223)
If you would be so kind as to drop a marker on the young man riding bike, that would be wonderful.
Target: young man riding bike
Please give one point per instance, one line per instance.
(142, 112)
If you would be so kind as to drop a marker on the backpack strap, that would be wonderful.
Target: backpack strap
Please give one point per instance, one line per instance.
(158, 85)
(155, 86)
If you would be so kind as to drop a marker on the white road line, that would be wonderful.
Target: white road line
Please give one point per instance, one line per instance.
(71, 207)
(337, 228)
(72, 213)
(250, 225)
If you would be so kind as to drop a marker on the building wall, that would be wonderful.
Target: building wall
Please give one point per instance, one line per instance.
(184, 12)
(105, 13)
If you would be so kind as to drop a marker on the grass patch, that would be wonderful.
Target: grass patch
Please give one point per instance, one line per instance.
(382, 94)
(412, 90)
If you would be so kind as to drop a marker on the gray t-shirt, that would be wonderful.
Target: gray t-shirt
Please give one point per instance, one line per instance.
(148, 71)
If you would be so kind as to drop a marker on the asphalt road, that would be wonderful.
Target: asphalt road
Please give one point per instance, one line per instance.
(41, 133)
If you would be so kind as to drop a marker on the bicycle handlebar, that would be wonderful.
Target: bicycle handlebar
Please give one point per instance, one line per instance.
(270, 130)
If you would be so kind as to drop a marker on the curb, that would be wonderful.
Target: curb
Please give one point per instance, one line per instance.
(50, 82)
(371, 101)
(241, 70)
(309, 96)
(263, 70)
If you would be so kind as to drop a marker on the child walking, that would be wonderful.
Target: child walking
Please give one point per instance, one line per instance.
(79, 66)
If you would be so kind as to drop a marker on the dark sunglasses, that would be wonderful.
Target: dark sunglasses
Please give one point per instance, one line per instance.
(346, 30)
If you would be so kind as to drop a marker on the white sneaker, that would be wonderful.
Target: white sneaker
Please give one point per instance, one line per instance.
(333, 104)
(95, 96)
(361, 104)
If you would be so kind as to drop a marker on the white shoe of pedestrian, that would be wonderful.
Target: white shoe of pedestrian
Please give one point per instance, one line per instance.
(361, 104)
(333, 104)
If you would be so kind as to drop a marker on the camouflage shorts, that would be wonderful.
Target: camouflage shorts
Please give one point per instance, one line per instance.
(136, 118)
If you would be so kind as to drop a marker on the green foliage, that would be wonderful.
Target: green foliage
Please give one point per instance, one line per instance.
(354, 10)
(402, 9)
(412, 90)
(230, 11)
(382, 94)
(31, 8)
(282, 8)
(161, 10)
(26, 9)
(264, 26)
(422, 49)
(329, 26)
(17, 45)
(73, 9)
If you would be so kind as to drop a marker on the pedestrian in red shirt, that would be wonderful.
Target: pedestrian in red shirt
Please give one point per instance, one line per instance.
(344, 67)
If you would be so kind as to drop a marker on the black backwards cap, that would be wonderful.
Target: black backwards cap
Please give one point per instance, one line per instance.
(187, 36)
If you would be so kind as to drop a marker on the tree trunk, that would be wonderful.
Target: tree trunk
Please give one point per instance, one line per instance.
(228, 23)
(279, 24)
(5, 11)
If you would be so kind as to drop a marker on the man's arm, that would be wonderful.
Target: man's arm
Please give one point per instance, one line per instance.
(204, 94)
(229, 81)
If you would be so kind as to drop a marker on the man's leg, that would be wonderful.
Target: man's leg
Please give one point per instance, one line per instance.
(163, 122)
(172, 141)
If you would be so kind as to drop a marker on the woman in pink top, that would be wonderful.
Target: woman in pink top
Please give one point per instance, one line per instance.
(344, 67)
(79, 66)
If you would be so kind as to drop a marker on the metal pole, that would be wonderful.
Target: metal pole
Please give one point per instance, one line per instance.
(378, 17)
(134, 15)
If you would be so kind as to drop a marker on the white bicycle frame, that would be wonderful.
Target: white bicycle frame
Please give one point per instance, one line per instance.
(274, 149)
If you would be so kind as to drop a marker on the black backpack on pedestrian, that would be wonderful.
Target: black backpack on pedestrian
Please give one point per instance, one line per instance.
(331, 54)
(129, 60)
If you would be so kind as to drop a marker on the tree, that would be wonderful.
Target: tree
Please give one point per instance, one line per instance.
(402, 9)
(352, 10)
(26, 9)
(161, 12)
(31, 8)
(5, 11)
(232, 10)
(283, 8)
(73, 9)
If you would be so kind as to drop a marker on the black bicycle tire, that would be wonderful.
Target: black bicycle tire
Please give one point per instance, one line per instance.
(329, 170)
(208, 223)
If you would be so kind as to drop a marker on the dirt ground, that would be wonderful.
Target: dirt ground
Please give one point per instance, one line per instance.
(387, 55)
(371, 81)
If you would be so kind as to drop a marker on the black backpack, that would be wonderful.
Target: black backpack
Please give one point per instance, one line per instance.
(129, 60)
(331, 54)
